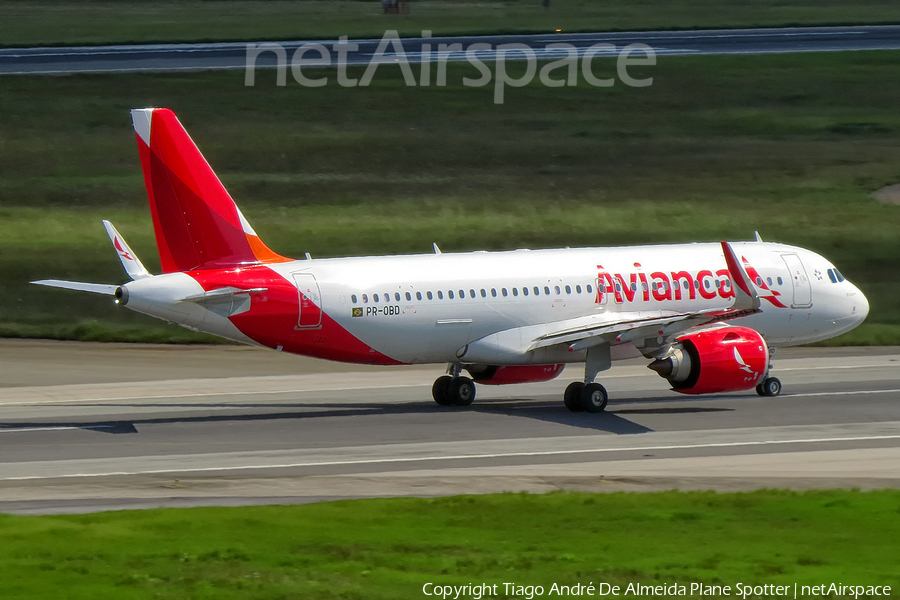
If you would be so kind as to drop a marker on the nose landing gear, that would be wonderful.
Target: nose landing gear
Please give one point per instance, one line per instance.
(769, 386)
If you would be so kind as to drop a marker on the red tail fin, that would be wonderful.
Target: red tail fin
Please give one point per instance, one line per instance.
(197, 224)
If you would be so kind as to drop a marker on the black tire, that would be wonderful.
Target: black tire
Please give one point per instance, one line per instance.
(461, 391)
(440, 391)
(593, 397)
(572, 396)
(770, 387)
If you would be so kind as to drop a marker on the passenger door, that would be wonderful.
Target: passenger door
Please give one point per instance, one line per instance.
(800, 281)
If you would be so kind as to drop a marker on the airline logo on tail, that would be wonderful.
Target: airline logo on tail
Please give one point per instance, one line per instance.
(122, 253)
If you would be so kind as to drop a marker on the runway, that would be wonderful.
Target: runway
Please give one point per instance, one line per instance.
(87, 427)
(233, 55)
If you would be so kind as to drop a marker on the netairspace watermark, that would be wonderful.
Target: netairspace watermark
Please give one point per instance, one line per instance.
(477, 591)
(390, 51)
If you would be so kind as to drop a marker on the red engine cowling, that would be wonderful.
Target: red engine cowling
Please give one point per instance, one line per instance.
(492, 375)
(726, 359)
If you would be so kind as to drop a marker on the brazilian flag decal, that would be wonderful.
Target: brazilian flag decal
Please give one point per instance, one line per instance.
(357, 312)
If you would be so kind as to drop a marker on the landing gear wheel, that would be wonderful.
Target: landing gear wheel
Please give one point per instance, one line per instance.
(593, 397)
(440, 391)
(770, 387)
(461, 391)
(572, 396)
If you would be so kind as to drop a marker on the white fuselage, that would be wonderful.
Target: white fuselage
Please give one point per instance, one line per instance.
(428, 308)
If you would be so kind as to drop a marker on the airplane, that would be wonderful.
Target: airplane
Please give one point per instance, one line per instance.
(708, 316)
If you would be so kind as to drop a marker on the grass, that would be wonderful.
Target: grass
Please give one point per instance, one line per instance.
(717, 147)
(390, 548)
(122, 21)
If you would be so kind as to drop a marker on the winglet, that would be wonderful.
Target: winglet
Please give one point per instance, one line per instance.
(129, 259)
(745, 295)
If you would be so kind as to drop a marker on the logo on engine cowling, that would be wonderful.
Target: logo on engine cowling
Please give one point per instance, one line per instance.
(742, 363)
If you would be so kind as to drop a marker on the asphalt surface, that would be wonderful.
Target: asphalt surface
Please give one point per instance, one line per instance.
(87, 427)
(175, 57)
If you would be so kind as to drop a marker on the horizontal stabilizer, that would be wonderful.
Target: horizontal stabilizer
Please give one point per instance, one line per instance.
(225, 292)
(94, 288)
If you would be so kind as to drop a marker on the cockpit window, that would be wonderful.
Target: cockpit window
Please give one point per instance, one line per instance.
(839, 276)
(832, 276)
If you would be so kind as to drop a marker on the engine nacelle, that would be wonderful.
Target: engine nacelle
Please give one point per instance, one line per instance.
(492, 375)
(727, 359)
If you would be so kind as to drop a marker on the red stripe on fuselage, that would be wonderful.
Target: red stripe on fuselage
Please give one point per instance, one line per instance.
(274, 315)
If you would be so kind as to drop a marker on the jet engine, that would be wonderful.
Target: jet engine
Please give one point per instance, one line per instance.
(493, 375)
(725, 359)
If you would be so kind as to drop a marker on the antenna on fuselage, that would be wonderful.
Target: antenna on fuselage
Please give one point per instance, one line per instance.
(758, 237)
(435, 246)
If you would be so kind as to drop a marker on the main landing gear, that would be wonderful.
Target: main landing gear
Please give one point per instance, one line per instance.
(769, 386)
(453, 389)
(590, 396)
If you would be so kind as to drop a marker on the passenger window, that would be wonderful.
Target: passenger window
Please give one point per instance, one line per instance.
(686, 284)
(524, 291)
(483, 293)
(577, 289)
(780, 281)
(462, 293)
(365, 298)
(418, 295)
(515, 291)
(633, 287)
(397, 296)
(588, 288)
(430, 297)
(706, 284)
(568, 289)
(472, 293)
(375, 297)
(494, 292)
(450, 294)
(440, 295)
(408, 296)
(769, 280)
(558, 291)
(537, 291)
(503, 291)
(353, 298)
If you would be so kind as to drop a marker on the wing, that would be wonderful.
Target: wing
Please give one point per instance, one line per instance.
(585, 332)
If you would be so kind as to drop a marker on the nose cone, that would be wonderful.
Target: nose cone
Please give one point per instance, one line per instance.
(860, 306)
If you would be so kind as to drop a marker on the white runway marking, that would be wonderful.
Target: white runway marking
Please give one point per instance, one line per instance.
(465, 457)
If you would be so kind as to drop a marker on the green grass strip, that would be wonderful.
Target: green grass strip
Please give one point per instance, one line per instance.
(792, 146)
(390, 548)
(61, 22)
